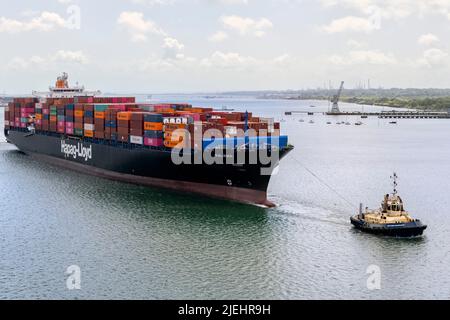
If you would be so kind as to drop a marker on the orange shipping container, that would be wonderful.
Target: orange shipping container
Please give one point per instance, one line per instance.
(89, 133)
(170, 144)
(174, 126)
(174, 137)
(79, 113)
(153, 126)
(124, 116)
(53, 118)
(99, 115)
(38, 116)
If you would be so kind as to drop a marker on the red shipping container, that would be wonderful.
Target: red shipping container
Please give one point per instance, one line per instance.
(153, 142)
(89, 120)
(123, 138)
(123, 131)
(137, 124)
(99, 134)
(123, 123)
(136, 132)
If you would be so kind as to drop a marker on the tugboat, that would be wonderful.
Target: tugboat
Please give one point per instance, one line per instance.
(391, 219)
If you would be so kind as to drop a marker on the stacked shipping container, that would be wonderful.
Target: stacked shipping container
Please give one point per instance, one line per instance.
(122, 119)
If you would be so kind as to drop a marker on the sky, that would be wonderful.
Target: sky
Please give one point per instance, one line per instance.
(162, 46)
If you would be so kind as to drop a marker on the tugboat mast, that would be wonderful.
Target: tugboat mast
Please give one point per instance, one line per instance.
(394, 183)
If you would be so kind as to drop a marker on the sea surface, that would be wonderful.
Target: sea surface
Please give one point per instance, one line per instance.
(134, 242)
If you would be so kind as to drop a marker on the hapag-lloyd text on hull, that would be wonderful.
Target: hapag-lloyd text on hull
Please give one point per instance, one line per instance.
(76, 150)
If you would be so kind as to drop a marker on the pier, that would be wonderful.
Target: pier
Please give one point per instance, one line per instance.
(384, 114)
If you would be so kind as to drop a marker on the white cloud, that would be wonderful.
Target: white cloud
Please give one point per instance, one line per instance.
(60, 57)
(228, 60)
(434, 57)
(70, 56)
(247, 26)
(173, 49)
(137, 26)
(283, 60)
(393, 9)
(153, 2)
(351, 23)
(233, 1)
(428, 39)
(363, 57)
(218, 36)
(356, 44)
(45, 21)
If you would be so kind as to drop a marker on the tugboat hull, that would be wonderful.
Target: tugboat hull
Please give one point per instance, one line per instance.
(410, 229)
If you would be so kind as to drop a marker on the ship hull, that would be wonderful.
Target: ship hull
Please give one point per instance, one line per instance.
(149, 166)
(411, 229)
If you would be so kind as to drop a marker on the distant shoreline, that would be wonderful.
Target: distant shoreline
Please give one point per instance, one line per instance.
(425, 104)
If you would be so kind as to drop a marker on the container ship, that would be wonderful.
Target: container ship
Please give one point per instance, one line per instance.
(228, 155)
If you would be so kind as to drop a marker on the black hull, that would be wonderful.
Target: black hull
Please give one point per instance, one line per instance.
(412, 229)
(148, 166)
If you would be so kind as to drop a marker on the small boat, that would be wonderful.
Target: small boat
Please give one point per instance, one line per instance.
(364, 117)
(390, 220)
(347, 123)
(359, 123)
(311, 106)
(393, 122)
(301, 120)
(329, 122)
(311, 121)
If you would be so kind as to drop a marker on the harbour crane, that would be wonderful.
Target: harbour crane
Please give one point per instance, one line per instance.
(335, 100)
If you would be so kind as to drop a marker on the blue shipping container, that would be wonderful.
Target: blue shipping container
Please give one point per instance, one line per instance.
(281, 141)
(153, 118)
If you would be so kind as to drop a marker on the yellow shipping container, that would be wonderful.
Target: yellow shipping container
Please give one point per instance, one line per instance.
(79, 113)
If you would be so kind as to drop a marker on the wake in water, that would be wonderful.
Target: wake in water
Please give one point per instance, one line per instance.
(303, 211)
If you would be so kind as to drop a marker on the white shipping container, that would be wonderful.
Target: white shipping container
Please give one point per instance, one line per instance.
(39, 105)
(6, 122)
(175, 120)
(7, 109)
(229, 130)
(136, 139)
(89, 127)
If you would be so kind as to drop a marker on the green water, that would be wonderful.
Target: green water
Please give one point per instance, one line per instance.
(137, 242)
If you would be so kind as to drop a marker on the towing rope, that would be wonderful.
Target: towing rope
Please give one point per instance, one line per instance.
(324, 183)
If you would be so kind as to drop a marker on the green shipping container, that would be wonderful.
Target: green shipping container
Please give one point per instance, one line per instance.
(78, 132)
(100, 107)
